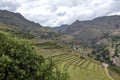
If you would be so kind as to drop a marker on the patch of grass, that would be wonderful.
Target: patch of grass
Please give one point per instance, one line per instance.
(49, 45)
(16, 33)
(80, 68)
(114, 72)
(77, 66)
(114, 75)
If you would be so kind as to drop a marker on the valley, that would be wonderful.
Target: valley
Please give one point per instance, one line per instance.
(79, 49)
(76, 65)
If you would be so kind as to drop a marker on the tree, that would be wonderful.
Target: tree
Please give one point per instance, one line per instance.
(19, 61)
(102, 54)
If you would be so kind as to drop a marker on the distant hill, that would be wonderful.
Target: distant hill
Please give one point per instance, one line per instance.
(91, 31)
(82, 37)
(85, 33)
(17, 22)
(61, 28)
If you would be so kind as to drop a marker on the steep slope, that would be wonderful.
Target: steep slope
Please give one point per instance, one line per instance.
(84, 33)
(13, 32)
(61, 28)
(106, 22)
(19, 23)
(89, 32)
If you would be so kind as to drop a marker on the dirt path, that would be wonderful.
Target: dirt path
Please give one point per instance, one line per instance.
(106, 66)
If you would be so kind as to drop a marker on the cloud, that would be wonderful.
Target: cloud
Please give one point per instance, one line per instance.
(58, 12)
(9, 5)
(115, 13)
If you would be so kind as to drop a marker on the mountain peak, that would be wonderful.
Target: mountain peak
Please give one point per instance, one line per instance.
(76, 21)
(16, 20)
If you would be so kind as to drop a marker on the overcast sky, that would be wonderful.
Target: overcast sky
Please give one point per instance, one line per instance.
(58, 12)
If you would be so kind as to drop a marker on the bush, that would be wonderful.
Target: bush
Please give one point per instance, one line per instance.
(18, 61)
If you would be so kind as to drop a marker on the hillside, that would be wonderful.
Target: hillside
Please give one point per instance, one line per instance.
(78, 49)
(61, 28)
(68, 60)
(89, 32)
(17, 22)
(84, 33)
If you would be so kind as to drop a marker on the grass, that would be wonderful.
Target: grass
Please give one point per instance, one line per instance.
(114, 71)
(67, 60)
(80, 68)
(114, 75)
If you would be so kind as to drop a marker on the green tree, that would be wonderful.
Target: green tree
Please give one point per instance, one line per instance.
(102, 54)
(19, 61)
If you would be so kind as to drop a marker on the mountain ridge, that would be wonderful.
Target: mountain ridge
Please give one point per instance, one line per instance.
(80, 32)
(20, 23)
(93, 30)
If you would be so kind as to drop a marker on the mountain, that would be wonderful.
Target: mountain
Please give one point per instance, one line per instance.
(61, 28)
(89, 32)
(18, 22)
(85, 33)
(82, 37)
(106, 23)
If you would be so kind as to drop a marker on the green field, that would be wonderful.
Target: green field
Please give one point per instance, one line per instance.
(79, 68)
(114, 75)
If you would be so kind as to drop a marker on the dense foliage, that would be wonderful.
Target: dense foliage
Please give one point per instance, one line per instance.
(18, 61)
(101, 54)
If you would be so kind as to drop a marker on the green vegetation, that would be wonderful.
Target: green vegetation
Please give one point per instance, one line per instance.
(68, 60)
(114, 74)
(101, 54)
(79, 68)
(115, 69)
(15, 33)
(109, 54)
(19, 61)
(49, 45)
(98, 38)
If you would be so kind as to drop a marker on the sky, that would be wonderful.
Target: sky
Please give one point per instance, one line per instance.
(57, 12)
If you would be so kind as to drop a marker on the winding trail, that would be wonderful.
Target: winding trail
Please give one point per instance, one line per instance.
(106, 66)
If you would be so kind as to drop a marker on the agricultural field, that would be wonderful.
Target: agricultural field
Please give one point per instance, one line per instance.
(68, 60)
(79, 68)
